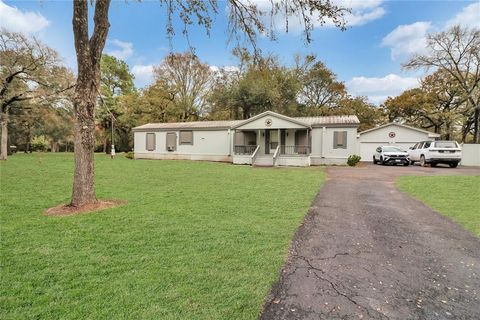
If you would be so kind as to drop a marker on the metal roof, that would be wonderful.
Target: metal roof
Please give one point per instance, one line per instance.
(308, 121)
(318, 121)
(190, 125)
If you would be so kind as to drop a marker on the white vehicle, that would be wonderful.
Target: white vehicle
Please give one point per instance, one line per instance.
(390, 155)
(435, 152)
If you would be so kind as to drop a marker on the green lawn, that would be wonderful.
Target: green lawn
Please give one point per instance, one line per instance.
(196, 240)
(457, 197)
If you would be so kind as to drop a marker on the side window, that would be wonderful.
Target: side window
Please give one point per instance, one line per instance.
(415, 146)
(186, 137)
(427, 144)
(420, 145)
(171, 141)
(340, 140)
(379, 149)
(150, 142)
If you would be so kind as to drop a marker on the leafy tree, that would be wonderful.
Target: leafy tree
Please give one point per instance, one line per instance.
(116, 80)
(264, 85)
(368, 114)
(29, 71)
(321, 91)
(457, 52)
(188, 80)
(244, 17)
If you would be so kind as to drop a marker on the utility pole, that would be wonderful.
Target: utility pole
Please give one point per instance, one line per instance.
(112, 152)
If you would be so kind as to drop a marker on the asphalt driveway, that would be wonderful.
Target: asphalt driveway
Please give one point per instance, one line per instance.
(368, 251)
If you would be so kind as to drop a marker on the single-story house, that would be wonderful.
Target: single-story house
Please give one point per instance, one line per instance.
(393, 133)
(268, 139)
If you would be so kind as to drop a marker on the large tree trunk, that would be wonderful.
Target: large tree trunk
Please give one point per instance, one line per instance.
(84, 144)
(4, 142)
(476, 132)
(89, 53)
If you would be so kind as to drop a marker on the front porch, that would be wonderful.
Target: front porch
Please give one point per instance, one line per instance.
(272, 147)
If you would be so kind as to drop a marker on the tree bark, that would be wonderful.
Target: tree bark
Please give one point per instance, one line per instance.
(89, 53)
(4, 138)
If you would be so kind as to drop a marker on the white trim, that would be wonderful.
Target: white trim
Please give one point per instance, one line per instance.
(430, 134)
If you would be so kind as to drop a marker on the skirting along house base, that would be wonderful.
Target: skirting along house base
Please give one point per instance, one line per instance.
(268, 139)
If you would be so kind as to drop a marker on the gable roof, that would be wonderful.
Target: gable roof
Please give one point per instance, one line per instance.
(430, 134)
(272, 114)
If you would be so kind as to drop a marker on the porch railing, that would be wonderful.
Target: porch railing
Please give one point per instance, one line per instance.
(244, 149)
(295, 150)
(276, 154)
(254, 155)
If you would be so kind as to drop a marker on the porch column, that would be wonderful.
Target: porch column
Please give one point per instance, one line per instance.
(234, 140)
(278, 138)
(308, 141)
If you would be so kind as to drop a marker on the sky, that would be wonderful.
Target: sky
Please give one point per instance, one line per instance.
(368, 56)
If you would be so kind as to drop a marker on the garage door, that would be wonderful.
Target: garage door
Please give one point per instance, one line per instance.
(367, 149)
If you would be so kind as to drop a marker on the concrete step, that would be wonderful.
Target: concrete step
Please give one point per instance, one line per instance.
(264, 161)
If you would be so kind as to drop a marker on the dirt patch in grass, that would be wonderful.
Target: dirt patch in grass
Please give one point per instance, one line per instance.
(68, 210)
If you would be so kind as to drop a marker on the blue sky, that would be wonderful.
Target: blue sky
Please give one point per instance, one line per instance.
(367, 57)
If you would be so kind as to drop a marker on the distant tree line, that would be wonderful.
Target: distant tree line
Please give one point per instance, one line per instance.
(37, 97)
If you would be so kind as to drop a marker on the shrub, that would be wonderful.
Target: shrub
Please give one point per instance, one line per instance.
(129, 155)
(40, 143)
(353, 160)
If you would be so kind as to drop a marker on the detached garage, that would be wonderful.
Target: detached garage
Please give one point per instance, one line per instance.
(390, 134)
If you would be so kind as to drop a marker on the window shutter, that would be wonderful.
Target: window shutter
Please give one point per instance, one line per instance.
(335, 139)
(186, 137)
(150, 143)
(344, 139)
(171, 141)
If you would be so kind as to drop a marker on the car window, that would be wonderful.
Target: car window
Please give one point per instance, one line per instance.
(392, 149)
(445, 144)
(379, 149)
(427, 144)
(415, 146)
(420, 145)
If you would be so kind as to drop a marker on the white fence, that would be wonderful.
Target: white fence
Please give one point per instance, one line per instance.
(471, 155)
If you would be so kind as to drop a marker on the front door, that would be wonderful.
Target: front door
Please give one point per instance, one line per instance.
(283, 141)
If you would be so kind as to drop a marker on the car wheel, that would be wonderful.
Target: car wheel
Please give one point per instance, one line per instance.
(406, 164)
(412, 162)
(423, 163)
(381, 161)
(453, 164)
(374, 160)
(433, 164)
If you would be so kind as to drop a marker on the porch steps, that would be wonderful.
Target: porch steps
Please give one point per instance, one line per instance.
(263, 161)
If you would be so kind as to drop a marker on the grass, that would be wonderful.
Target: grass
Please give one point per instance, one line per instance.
(457, 197)
(196, 240)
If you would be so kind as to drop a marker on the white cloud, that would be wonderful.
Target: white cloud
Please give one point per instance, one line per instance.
(143, 74)
(362, 12)
(225, 68)
(13, 19)
(123, 50)
(468, 17)
(378, 89)
(407, 39)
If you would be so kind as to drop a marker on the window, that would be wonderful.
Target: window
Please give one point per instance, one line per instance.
(415, 146)
(171, 141)
(186, 137)
(446, 144)
(379, 149)
(427, 144)
(340, 140)
(150, 143)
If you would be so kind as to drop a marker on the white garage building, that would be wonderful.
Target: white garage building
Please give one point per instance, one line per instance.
(390, 134)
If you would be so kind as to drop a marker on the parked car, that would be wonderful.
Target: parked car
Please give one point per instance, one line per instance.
(390, 155)
(435, 152)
